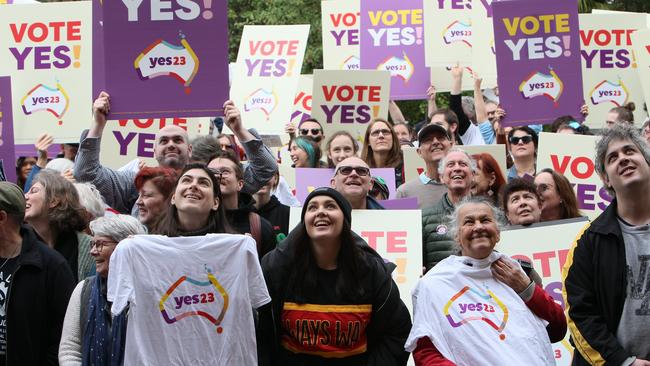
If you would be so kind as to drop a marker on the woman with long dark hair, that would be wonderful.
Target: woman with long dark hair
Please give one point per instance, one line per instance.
(325, 274)
(196, 205)
(381, 148)
(488, 179)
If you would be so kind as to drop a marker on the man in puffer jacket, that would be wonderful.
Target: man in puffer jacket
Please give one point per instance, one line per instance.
(456, 172)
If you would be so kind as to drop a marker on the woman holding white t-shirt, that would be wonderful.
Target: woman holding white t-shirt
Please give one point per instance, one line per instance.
(482, 292)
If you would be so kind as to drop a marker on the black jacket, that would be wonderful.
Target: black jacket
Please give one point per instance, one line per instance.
(595, 291)
(277, 215)
(240, 221)
(389, 326)
(36, 304)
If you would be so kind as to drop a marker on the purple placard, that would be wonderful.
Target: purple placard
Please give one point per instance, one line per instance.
(309, 178)
(538, 60)
(410, 203)
(395, 42)
(7, 155)
(163, 59)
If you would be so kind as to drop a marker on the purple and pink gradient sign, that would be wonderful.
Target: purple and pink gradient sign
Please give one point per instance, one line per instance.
(162, 59)
(308, 179)
(538, 60)
(7, 158)
(392, 39)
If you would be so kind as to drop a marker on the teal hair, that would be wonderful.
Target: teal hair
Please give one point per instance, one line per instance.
(310, 147)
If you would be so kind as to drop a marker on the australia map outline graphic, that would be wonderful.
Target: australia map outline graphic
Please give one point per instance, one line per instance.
(211, 282)
(480, 310)
(45, 98)
(162, 58)
(261, 99)
(609, 91)
(538, 84)
(401, 67)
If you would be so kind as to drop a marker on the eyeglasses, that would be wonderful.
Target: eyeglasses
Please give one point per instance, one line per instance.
(221, 172)
(100, 244)
(314, 131)
(347, 170)
(383, 131)
(525, 139)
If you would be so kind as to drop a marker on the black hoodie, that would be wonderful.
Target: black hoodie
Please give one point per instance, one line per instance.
(239, 219)
(277, 214)
(387, 329)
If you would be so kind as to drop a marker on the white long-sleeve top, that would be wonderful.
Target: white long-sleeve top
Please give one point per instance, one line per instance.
(70, 346)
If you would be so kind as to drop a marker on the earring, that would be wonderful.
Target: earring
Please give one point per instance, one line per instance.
(490, 192)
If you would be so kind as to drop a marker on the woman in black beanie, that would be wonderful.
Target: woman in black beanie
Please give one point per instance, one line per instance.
(333, 299)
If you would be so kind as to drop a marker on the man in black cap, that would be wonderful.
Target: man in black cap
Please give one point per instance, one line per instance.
(40, 283)
(434, 142)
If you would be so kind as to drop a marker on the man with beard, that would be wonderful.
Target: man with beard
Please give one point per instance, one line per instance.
(171, 149)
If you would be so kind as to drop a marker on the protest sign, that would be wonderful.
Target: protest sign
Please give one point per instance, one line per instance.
(267, 73)
(340, 23)
(46, 50)
(302, 101)
(483, 49)
(546, 246)
(163, 60)
(609, 64)
(641, 46)
(447, 32)
(308, 179)
(396, 235)
(392, 39)
(7, 157)
(126, 140)
(414, 165)
(538, 60)
(349, 100)
(442, 80)
(410, 203)
(572, 156)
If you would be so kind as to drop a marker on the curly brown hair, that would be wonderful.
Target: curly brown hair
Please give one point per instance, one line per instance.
(66, 213)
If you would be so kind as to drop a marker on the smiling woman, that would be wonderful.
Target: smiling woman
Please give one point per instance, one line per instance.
(323, 273)
(196, 207)
(477, 290)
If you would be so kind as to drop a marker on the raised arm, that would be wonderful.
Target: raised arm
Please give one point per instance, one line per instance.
(116, 187)
(455, 102)
(261, 163)
(395, 113)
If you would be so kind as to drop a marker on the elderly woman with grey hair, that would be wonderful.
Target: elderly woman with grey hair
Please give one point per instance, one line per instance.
(482, 292)
(90, 336)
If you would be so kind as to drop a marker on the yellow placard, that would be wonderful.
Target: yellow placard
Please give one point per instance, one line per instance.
(267, 73)
(46, 49)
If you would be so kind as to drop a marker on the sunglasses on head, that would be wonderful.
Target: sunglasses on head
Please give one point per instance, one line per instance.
(347, 170)
(305, 131)
(525, 139)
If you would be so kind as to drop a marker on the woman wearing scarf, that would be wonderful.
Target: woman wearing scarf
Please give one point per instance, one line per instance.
(479, 307)
(90, 336)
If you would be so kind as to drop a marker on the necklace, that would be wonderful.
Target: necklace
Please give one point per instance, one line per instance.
(12, 256)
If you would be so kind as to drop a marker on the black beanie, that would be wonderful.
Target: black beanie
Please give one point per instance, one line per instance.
(336, 196)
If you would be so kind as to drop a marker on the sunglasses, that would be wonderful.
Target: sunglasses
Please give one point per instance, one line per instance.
(382, 131)
(347, 170)
(305, 131)
(525, 139)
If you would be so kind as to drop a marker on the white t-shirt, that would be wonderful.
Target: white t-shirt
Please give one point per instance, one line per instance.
(474, 319)
(472, 136)
(191, 298)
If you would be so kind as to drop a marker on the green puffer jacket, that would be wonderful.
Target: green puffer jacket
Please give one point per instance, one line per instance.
(436, 244)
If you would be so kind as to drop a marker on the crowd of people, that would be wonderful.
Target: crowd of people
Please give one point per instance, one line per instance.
(80, 242)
